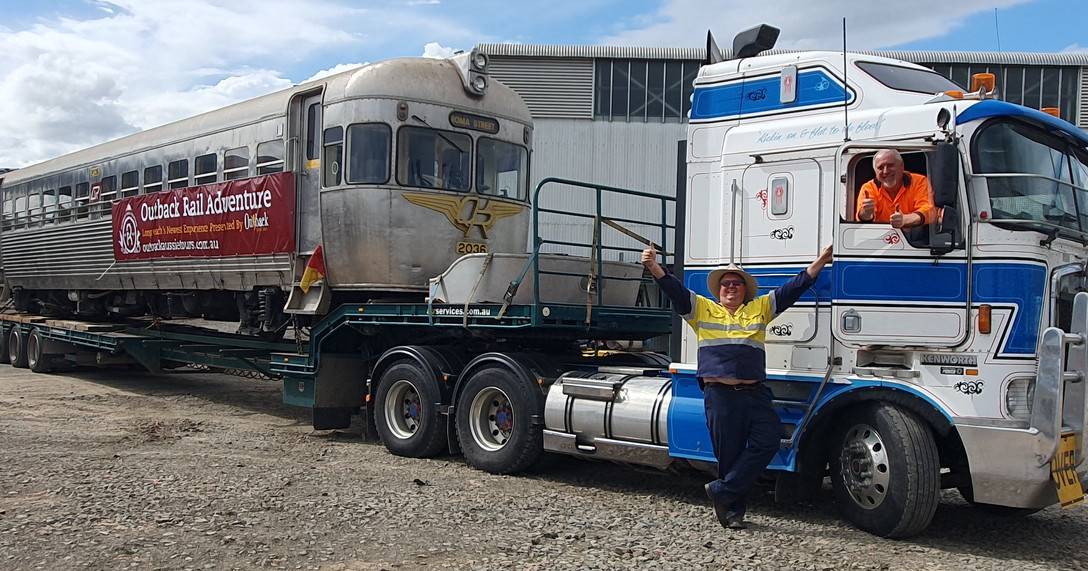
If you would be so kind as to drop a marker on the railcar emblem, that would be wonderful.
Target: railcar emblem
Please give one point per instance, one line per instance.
(128, 237)
(466, 212)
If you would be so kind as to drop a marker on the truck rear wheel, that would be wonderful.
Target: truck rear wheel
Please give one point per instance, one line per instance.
(405, 414)
(495, 422)
(36, 358)
(886, 471)
(17, 348)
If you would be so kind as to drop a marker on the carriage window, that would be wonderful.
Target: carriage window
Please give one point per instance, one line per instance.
(204, 168)
(83, 191)
(270, 157)
(501, 169)
(332, 162)
(49, 204)
(153, 179)
(177, 174)
(368, 153)
(236, 163)
(130, 183)
(311, 131)
(107, 188)
(431, 158)
(64, 201)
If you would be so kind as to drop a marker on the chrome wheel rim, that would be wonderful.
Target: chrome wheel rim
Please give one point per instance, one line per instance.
(403, 410)
(864, 466)
(32, 350)
(491, 419)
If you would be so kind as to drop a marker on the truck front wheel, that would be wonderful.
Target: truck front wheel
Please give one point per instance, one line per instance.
(495, 422)
(886, 471)
(405, 411)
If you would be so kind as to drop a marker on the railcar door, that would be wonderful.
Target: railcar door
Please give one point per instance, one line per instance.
(309, 169)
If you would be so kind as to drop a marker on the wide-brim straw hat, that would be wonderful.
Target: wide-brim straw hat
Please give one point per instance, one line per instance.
(713, 281)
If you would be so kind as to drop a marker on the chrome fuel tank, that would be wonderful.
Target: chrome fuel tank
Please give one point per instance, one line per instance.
(612, 404)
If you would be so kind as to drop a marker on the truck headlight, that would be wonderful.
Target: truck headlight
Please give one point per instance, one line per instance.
(1019, 396)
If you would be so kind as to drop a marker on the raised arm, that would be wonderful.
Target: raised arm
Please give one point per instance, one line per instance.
(680, 296)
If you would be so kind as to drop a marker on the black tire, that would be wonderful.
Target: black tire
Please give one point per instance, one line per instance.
(410, 426)
(1000, 511)
(5, 358)
(17, 348)
(885, 471)
(495, 425)
(36, 358)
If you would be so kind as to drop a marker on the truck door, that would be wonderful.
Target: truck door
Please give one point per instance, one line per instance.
(897, 287)
(309, 169)
(780, 234)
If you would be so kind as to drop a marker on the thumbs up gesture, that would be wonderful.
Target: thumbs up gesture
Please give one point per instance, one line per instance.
(868, 208)
(896, 218)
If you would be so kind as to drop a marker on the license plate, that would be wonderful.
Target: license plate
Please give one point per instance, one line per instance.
(1063, 472)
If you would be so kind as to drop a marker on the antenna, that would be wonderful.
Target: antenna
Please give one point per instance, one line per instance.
(845, 89)
(997, 30)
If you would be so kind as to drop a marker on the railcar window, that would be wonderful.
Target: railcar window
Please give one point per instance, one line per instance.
(368, 153)
(21, 205)
(236, 163)
(332, 162)
(83, 191)
(204, 169)
(153, 179)
(431, 158)
(270, 157)
(177, 174)
(311, 131)
(49, 204)
(108, 188)
(64, 201)
(501, 169)
(130, 183)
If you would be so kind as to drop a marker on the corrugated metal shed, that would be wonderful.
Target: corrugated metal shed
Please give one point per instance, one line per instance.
(1082, 101)
(551, 87)
(635, 52)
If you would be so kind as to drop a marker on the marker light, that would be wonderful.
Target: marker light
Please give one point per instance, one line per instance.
(1052, 111)
(954, 93)
(983, 81)
(984, 320)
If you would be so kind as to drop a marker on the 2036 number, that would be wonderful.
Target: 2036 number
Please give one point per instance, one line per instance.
(471, 248)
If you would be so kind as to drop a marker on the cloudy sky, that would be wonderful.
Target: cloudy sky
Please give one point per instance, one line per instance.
(78, 72)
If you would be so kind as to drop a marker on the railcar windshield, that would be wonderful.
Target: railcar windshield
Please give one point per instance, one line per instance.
(501, 169)
(431, 158)
(1034, 176)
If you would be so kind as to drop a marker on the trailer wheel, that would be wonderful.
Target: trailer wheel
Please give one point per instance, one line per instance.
(405, 412)
(886, 472)
(5, 358)
(36, 359)
(495, 424)
(17, 348)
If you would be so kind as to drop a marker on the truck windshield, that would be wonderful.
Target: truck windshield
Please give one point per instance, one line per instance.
(501, 169)
(1034, 176)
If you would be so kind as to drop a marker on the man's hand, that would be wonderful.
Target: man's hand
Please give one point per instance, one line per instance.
(868, 208)
(896, 218)
(818, 264)
(649, 261)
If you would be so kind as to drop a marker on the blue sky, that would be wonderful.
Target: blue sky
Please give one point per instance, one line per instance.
(78, 72)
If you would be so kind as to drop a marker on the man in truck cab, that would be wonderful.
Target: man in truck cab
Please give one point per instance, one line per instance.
(895, 196)
(731, 329)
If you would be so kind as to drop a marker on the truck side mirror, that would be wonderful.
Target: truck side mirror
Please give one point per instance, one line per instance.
(944, 174)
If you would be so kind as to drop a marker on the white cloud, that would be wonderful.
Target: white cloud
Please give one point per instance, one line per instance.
(334, 70)
(66, 83)
(1074, 48)
(804, 24)
(436, 50)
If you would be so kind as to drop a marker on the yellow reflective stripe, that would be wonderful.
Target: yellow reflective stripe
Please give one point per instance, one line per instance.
(731, 327)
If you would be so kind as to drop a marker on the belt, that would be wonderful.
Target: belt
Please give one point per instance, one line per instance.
(738, 387)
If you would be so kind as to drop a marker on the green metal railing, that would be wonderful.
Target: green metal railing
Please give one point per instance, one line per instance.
(599, 218)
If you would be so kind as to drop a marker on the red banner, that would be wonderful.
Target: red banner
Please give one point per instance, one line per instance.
(235, 218)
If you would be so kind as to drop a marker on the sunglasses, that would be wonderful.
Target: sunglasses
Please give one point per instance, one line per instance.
(732, 283)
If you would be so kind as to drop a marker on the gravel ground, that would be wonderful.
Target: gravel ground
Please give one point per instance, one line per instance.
(115, 470)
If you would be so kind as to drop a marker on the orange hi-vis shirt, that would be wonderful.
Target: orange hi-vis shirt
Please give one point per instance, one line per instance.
(915, 196)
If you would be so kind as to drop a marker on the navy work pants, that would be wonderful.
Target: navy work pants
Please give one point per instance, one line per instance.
(746, 432)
